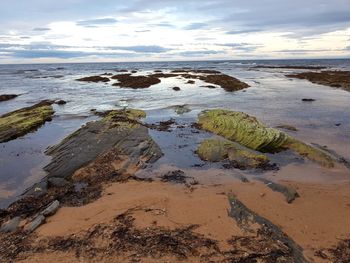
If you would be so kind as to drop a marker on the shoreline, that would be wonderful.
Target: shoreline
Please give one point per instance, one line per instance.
(119, 182)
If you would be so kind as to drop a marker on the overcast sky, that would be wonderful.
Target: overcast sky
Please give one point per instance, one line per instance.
(144, 30)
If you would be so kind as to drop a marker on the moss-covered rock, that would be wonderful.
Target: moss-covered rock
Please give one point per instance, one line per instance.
(249, 132)
(25, 120)
(242, 128)
(215, 150)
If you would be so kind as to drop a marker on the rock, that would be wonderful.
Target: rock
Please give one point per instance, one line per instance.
(135, 82)
(38, 221)
(336, 79)
(176, 88)
(287, 127)
(255, 224)
(191, 82)
(245, 159)
(291, 67)
(94, 79)
(121, 70)
(308, 100)
(6, 97)
(208, 86)
(249, 132)
(289, 193)
(61, 102)
(37, 190)
(118, 137)
(20, 122)
(11, 225)
(51, 209)
(228, 83)
(57, 182)
(181, 109)
(134, 71)
(215, 150)
(158, 71)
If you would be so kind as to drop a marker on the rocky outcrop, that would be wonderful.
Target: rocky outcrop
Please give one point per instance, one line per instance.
(6, 97)
(215, 150)
(336, 79)
(135, 82)
(249, 132)
(20, 122)
(94, 79)
(119, 133)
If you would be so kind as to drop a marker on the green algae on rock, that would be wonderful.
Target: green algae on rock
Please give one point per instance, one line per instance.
(215, 150)
(251, 133)
(20, 122)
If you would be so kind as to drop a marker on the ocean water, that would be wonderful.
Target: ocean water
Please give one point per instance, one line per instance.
(273, 98)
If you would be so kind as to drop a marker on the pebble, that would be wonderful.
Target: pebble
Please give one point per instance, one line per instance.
(38, 221)
(51, 209)
(11, 225)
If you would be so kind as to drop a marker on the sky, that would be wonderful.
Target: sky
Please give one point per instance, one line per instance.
(41, 31)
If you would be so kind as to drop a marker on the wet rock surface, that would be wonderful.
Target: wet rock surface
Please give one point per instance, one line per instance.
(249, 132)
(291, 67)
(94, 79)
(20, 122)
(289, 251)
(337, 254)
(290, 193)
(11, 225)
(5, 97)
(135, 82)
(215, 150)
(336, 79)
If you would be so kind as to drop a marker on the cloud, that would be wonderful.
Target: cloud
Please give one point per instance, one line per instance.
(96, 22)
(41, 29)
(199, 53)
(243, 31)
(141, 49)
(195, 26)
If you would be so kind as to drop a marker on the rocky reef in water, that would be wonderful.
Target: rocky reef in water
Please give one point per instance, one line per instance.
(20, 122)
(335, 79)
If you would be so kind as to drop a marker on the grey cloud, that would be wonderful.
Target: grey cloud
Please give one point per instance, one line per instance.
(243, 31)
(194, 26)
(199, 53)
(96, 22)
(41, 29)
(142, 49)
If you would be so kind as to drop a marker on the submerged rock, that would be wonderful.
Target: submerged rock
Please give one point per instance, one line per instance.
(336, 79)
(6, 97)
(308, 100)
(176, 88)
(249, 132)
(215, 150)
(287, 127)
(61, 102)
(20, 122)
(94, 79)
(181, 109)
(135, 82)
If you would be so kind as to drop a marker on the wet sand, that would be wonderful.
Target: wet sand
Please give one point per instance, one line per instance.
(318, 219)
